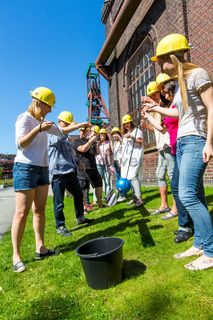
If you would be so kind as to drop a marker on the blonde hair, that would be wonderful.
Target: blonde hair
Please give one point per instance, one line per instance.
(35, 110)
(182, 68)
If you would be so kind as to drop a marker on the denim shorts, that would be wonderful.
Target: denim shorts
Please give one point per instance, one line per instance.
(27, 176)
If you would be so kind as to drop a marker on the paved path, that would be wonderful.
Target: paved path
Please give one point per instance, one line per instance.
(7, 209)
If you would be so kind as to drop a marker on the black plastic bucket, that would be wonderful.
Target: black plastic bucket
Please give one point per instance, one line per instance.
(102, 261)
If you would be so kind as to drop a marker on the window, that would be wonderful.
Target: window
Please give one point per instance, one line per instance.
(140, 72)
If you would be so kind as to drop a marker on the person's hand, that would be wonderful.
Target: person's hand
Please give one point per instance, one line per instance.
(146, 99)
(127, 135)
(207, 152)
(143, 123)
(144, 114)
(93, 139)
(149, 107)
(115, 135)
(46, 125)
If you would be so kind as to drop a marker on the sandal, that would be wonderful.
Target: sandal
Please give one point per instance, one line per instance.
(40, 256)
(193, 251)
(158, 211)
(170, 215)
(19, 267)
(202, 263)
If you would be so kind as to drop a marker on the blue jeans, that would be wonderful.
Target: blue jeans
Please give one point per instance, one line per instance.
(184, 220)
(117, 170)
(165, 165)
(191, 192)
(102, 169)
(59, 183)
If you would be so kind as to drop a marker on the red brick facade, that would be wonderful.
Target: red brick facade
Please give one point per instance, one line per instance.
(155, 19)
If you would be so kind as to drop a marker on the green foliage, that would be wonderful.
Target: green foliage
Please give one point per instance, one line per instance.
(7, 182)
(156, 286)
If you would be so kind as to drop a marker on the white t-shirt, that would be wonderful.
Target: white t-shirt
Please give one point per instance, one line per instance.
(36, 152)
(104, 157)
(117, 151)
(130, 169)
(193, 121)
(162, 139)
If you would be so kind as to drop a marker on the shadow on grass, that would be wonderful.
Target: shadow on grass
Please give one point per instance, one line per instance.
(146, 237)
(156, 227)
(132, 269)
(160, 303)
(52, 308)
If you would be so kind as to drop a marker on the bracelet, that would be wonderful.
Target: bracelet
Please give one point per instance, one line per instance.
(40, 127)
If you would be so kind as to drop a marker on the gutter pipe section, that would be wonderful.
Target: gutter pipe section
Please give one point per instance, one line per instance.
(124, 16)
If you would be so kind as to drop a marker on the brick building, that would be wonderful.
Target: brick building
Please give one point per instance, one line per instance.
(6, 164)
(133, 29)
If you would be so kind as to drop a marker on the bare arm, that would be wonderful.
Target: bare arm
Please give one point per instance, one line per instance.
(164, 111)
(146, 125)
(74, 126)
(85, 147)
(26, 140)
(207, 98)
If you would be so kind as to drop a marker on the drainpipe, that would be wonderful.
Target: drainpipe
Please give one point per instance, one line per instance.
(124, 16)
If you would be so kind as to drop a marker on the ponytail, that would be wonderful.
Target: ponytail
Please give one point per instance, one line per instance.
(182, 69)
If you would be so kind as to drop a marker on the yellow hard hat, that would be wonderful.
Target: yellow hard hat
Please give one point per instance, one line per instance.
(95, 129)
(103, 131)
(162, 78)
(116, 129)
(152, 88)
(171, 43)
(66, 116)
(85, 129)
(44, 94)
(126, 118)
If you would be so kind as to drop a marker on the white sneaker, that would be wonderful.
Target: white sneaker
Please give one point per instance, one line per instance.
(200, 263)
(193, 251)
(121, 198)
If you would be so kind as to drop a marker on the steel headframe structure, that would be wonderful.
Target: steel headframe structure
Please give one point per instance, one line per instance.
(98, 113)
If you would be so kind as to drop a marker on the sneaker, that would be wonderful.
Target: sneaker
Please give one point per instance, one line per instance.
(182, 236)
(83, 220)
(40, 256)
(186, 230)
(19, 267)
(202, 263)
(62, 230)
(121, 198)
(193, 251)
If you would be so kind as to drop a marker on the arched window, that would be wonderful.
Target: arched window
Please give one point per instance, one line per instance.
(140, 72)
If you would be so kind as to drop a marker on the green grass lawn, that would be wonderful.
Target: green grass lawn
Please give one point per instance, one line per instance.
(156, 286)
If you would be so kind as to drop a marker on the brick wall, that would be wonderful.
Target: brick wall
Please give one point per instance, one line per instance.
(200, 17)
(158, 18)
(150, 165)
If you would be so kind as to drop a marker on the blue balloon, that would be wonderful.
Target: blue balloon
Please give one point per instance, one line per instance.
(123, 185)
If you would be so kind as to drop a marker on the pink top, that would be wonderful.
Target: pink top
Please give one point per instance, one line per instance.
(172, 127)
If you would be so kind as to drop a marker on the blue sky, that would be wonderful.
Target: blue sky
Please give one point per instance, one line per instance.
(46, 43)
